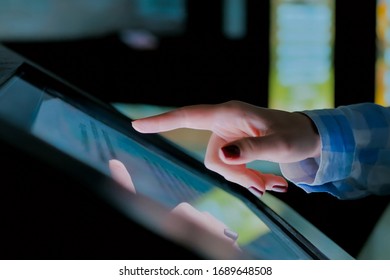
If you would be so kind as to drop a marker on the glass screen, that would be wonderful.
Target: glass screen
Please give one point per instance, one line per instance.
(51, 116)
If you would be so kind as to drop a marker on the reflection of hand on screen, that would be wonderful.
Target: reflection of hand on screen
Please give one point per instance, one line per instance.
(203, 230)
(204, 225)
(120, 174)
(207, 221)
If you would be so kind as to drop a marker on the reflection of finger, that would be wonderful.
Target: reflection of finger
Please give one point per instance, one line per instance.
(184, 209)
(231, 234)
(200, 235)
(210, 219)
(205, 220)
(120, 174)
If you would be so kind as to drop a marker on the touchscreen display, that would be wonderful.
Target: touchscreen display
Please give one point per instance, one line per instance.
(50, 116)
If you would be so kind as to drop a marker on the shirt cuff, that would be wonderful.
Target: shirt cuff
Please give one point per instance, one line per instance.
(336, 159)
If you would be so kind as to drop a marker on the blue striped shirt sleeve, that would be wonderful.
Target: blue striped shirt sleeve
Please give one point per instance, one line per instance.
(355, 156)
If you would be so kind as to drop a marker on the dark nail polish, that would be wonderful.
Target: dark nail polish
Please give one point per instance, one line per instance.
(231, 151)
(256, 191)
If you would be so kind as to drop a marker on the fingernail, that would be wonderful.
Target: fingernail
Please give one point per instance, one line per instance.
(231, 151)
(231, 234)
(278, 188)
(256, 191)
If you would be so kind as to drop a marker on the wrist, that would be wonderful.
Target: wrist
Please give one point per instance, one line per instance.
(312, 135)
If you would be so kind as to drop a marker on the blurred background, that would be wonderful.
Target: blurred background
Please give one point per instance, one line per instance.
(145, 56)
(278, 53)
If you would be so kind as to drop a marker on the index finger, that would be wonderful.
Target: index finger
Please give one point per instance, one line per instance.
(194, 116)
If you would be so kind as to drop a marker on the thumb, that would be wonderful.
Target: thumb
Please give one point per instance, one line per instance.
(269, 148)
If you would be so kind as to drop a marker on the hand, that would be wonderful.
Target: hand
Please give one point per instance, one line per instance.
(242, 133)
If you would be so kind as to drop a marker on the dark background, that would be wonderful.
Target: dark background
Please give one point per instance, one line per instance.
(202, 66)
